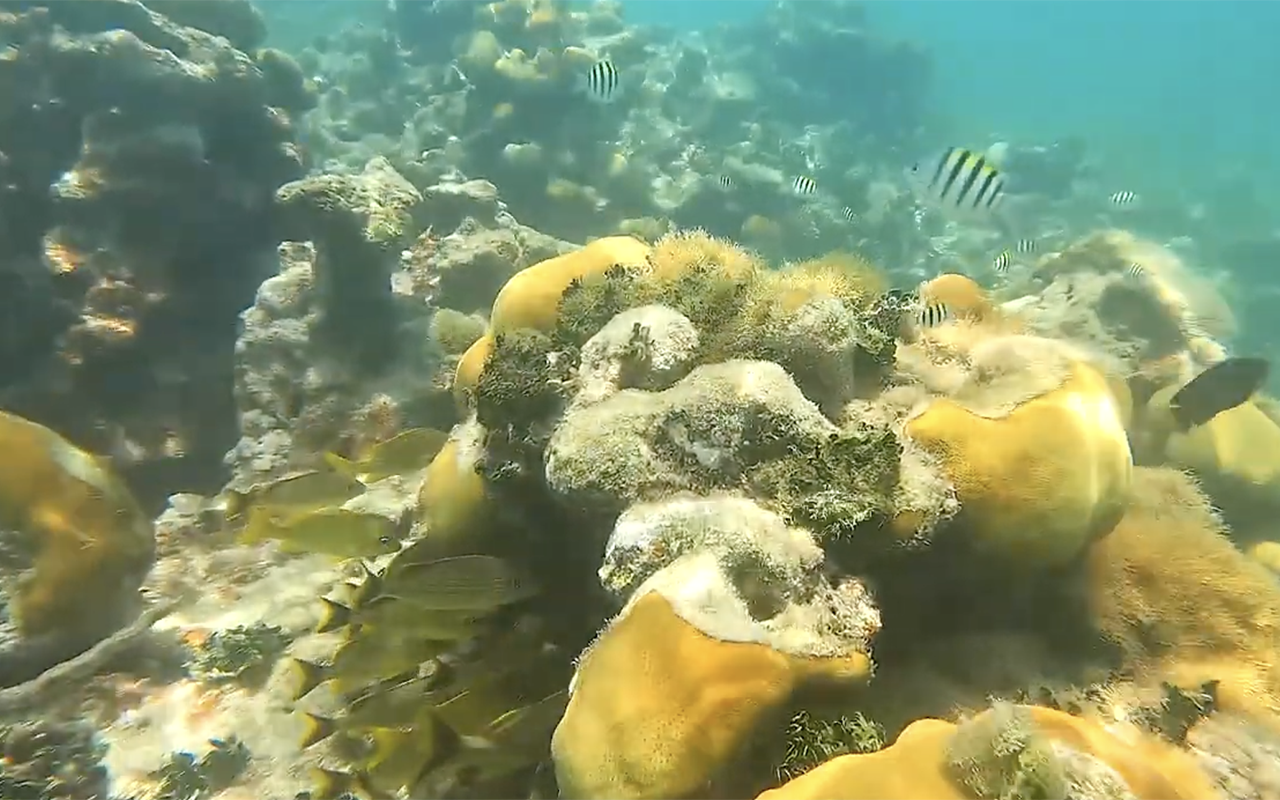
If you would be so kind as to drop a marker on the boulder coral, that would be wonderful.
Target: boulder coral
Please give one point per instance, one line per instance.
(751, 495)
(359, 225)
(661, 709)
(1039, 471)
(1236, 454)
(1008, 751)
(77, 548)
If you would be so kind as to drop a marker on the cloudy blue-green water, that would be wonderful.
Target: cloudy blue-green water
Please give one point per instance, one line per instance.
(1170, 95)
(1174, 100)
(1173, 94)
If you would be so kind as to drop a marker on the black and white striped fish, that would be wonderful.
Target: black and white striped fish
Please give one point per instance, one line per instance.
(958, 181)
(602, 83)
(804, 185)
(849, 214)
(1005, 259)
(931, 315)
(1123, 198)
(725, 181)
(1135, 271)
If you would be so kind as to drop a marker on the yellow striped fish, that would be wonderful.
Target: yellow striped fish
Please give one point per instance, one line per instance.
(958, 180)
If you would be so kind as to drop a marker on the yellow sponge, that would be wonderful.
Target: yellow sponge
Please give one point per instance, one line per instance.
(1041, 483)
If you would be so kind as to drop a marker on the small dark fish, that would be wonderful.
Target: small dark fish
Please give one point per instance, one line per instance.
(849, 214)
(803, 185)
(933, 315)
(1123, 198)
(603, 83)
(1219, 388)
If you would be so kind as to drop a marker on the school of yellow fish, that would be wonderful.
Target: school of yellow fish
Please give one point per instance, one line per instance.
(444, 683)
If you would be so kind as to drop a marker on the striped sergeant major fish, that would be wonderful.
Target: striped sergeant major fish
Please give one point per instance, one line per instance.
(958, 181)
(804, 185)
(602, 82)
(1006, 257)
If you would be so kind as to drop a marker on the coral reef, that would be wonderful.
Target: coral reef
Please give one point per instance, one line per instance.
(709, 528)
(1006, 752)
(138, 156)
(297, 394)
(43, 760)
(75, 548)
(490, 91)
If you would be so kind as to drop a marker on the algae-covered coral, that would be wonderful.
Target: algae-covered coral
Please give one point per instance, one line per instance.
(750, 494)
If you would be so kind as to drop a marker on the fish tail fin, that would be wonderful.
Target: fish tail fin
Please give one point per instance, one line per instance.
(330, 784)
(446, 743)
(367, 587)
(340, 465)
(234, 507)
(384, 742)
(334, 616)
(310, 675)
(317, 729)
(259, 526)
(1181, 421)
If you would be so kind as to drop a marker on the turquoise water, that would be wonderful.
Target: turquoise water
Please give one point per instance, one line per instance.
(1177, 94)
(1171, 96)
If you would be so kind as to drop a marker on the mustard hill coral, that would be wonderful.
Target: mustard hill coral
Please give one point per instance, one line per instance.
(1179, 601)
(759, 528)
